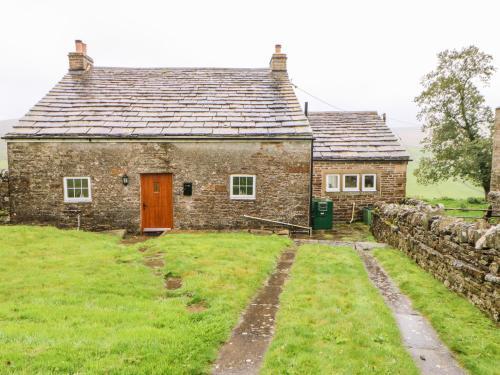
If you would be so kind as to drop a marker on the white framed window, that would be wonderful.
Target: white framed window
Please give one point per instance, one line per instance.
(351, 182)
(77, 189)
(332, 182)
(369, 182)
(242, 186)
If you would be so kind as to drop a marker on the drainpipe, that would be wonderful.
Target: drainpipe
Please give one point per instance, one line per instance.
(352, 215)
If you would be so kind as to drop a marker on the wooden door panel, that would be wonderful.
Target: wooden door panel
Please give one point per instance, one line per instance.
(156, 201)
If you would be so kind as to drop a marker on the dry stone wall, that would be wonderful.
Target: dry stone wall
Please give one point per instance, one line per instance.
(463, 255)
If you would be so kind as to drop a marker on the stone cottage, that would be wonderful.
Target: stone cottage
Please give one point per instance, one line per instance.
(357, 161)
(153, 149)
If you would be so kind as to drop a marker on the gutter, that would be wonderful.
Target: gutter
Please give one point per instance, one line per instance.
(110, 138)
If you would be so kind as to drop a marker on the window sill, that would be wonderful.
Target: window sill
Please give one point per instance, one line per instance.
(236, 198)
(78, 201)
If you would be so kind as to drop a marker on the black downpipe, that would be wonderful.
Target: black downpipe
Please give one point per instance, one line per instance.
(311, 168)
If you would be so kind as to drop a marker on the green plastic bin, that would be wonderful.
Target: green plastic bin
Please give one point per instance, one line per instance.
(368, 215)
(322, 212)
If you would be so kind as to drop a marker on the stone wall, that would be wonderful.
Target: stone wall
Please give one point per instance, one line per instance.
(463, 255)
(282, 183)
(391, 185)
(4, 196)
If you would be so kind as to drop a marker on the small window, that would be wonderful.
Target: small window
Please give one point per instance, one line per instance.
(369, 182)
(242, 187)
(332, 182)
(77, 189)
(351, 182)
(156, 187)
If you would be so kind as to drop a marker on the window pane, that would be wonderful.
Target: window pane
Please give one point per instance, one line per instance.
(250, 190)
(71, 193)
(332, 181)
(351, 182)
(235, 190)
(78, 182)
(85, 182)
(249, 181)
(369, 181)
(242, 190)
(236, 180)
(69, 182)
(85, 193)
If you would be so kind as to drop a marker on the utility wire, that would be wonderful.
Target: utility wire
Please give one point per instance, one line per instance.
(341, 109)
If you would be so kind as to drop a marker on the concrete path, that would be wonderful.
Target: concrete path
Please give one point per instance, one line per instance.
(244, 352)
(420, 339)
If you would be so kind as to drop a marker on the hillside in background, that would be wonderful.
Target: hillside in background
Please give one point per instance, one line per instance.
(410, 138)
(5, 127)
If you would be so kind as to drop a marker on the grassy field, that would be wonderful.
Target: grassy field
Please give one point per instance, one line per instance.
(467, 331)
(76, 302)
(471, 203)
(333, 321)
(450, 189)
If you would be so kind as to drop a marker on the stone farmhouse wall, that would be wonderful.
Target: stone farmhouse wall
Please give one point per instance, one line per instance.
(391, 185)
(4, 197)
(463, 255)
(282, 170)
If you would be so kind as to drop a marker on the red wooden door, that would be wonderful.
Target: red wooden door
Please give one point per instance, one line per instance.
(156, 201)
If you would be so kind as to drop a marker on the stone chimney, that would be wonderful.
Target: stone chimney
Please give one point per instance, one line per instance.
(495, 163)
(278, 61)
(78, 60)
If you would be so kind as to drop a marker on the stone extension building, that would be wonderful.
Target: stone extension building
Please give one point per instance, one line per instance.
(149, 149)
(357, 161)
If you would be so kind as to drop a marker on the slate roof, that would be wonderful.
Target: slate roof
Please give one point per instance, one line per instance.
(353, 136)
(167, 102)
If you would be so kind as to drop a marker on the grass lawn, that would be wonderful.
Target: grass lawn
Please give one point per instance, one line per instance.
(461, 203)
(472, 336)
(450, 188)
(76, 302)
(333, 321)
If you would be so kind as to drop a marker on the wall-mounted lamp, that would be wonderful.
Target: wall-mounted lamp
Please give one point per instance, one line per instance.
(125, 179)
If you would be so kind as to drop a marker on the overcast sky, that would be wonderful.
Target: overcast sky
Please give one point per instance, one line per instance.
(355, 55)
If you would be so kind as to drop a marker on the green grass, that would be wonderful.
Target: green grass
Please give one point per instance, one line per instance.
(471, 335)
(461, 203)
(333, 321)
(450, 188)
(76, 302)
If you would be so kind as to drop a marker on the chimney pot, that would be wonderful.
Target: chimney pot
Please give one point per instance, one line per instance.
(78, 46)
(277, 48)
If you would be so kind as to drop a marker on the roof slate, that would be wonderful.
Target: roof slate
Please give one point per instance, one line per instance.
(167, 102)
(353, 136)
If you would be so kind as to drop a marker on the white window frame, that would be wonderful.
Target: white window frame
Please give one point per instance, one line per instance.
(374, 188)
(357, 182)
(332, 190)
(77, 200)
(238, 196)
